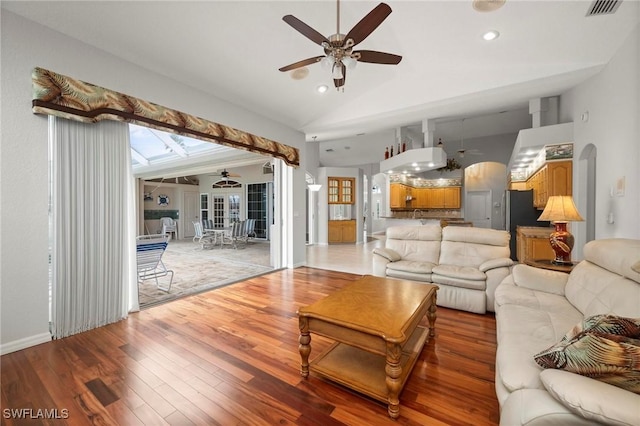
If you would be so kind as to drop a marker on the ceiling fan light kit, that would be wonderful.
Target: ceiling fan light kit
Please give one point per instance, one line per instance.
(338, 48)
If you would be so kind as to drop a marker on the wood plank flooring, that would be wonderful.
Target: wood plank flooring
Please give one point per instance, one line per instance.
(230, 357)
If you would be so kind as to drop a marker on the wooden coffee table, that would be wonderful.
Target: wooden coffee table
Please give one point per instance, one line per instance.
(374, 322)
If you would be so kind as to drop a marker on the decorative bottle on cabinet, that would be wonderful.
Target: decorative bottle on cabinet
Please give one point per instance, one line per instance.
(391, 150)
(404, 146)
(386, 153)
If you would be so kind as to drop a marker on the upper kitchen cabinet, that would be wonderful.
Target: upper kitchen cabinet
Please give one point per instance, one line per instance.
(554, 178)
(399, 195)
(341, 190)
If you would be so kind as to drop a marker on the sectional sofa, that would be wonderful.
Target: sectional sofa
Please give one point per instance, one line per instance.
(572, 323)
(466, 263)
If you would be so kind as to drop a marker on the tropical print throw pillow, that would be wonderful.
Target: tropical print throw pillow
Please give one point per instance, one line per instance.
(603, 347)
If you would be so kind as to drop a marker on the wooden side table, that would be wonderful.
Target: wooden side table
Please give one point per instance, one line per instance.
(548, 264)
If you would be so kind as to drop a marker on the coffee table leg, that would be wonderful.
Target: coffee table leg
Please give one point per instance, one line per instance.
(432, 316)
(305, 345)
(394, 371)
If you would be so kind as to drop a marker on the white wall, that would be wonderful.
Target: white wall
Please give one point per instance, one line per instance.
(488, 176)
(24, 167)
(612, 100)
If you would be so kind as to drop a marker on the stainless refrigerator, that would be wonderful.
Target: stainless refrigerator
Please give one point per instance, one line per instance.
(519, 211)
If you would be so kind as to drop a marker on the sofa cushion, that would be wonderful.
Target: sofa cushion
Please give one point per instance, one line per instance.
(416, 243)
(524, 331)
(414, 276)
(591, 399)
(617, 255)
(484, 236)
(603, 347)
(411, 266)
(472, 246)
(508, 293)
(594, 290)
(462, 272)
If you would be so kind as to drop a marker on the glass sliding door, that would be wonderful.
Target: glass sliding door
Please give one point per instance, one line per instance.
(260, 207)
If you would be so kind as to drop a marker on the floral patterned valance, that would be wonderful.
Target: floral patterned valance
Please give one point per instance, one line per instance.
(58, 95)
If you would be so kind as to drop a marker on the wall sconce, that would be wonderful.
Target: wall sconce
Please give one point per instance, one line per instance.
(560, 209)
(314, 187)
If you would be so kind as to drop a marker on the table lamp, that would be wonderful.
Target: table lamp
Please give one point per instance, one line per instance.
(560, 210)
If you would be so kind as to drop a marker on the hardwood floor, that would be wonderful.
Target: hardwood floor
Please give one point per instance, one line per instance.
(230, 357)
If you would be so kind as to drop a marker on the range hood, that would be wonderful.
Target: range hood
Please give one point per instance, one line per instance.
(415, 160)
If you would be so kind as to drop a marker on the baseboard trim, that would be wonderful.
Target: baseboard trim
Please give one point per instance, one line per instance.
(27, 342)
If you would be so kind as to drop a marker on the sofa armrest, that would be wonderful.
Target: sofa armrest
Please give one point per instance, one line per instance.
(591, 399)
(387, 253)
(539, 279)
(495, 263)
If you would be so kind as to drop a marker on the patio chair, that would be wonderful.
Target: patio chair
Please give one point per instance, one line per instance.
(149, 251)
(169, 226)
(205, 239)
(234, 235)
(251, 229)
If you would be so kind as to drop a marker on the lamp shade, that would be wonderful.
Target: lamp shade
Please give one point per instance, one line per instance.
(560, 208)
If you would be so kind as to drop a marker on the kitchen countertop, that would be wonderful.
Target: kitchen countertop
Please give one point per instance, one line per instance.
(450, 219)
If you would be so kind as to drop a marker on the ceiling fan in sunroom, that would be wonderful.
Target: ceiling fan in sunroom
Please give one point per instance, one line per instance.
(338, 48)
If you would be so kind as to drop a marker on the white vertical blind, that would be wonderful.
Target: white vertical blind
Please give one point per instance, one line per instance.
(93, 235)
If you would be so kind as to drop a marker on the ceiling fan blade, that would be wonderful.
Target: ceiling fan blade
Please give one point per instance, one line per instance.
(302, 63)
(305, 29)
(369, 23)
(374, 57)
(339, 82)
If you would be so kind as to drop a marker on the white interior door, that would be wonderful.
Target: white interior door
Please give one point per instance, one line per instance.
(478, 208)
(191, 213)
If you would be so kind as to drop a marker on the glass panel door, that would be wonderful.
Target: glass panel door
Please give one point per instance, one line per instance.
(218, 211)
(258, 201)
(233, 208)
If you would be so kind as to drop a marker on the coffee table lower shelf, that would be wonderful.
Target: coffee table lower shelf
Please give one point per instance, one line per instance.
(364, 371)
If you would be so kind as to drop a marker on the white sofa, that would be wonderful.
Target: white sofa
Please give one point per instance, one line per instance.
(466, 263)
(534, 309)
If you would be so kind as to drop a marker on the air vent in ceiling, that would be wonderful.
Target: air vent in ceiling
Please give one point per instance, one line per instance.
(329, 150)
(603, 7)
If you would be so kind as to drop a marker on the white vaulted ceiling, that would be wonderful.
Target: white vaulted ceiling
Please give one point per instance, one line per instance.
(233, 49)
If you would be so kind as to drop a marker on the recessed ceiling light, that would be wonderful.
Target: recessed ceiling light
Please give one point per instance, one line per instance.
(300, 73)
(322, 88)
(491, 35)
(487, 5)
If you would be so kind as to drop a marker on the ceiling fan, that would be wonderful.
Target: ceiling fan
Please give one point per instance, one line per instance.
(226, 175)
(338, 48)
(462, 151)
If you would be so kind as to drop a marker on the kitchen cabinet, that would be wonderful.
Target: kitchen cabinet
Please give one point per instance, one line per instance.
(420, 198)
(398, 195)
(342, 231)
(554, 178)
(341, 190)
(532, 243)
(424, 198)
(443, 198)
(452, 197)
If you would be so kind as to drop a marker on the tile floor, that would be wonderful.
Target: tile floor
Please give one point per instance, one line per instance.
(354, 258)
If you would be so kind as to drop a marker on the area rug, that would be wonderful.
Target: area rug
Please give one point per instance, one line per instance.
(197, 270)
